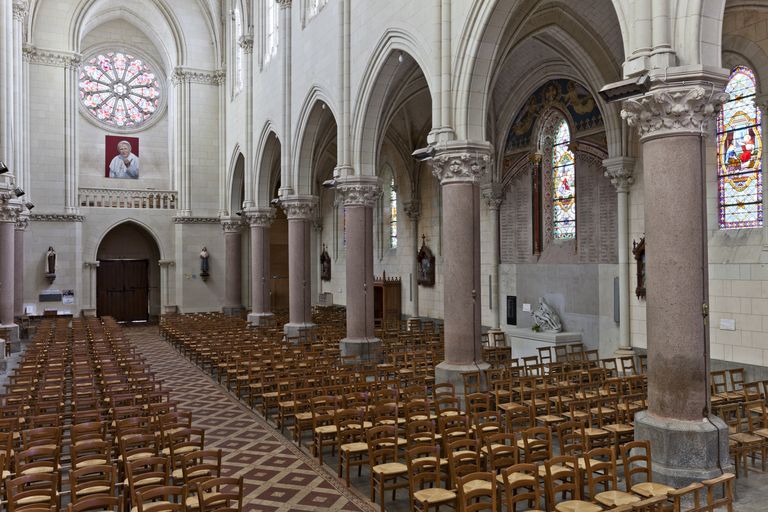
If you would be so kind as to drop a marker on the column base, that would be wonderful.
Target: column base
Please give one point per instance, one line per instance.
(684, 451)
(10, 332)
(294, 332)
(232, 310)
(364, 349)
(624, 351)
(451, 373)
(89, 312)
(260, 319)
(170, 310)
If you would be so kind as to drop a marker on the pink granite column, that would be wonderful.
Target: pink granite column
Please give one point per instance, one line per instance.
(233, 296)
(459, 165)
(300, 211)
(672, 122)
(261, 306)
(8, 216)
(18, 263)
(359, 194)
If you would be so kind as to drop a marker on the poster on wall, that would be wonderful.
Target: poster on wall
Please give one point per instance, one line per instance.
(121, 157)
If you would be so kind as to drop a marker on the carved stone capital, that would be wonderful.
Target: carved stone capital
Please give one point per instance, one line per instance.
(461, 161)
(260, 217)
(91, 264)
(358, 190)
(284, 4)
(231, 224)
(673, 110)
(412, 209)
(195, 220)
(299, 207)
(22, 221)
(246, 43)
(56, 217)
(55, 58)
(620, 171)
(183, 75)
(167, 263)
(493, 195)
(20, 9)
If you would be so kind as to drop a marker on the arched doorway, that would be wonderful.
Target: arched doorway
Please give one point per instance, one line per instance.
(128, 278)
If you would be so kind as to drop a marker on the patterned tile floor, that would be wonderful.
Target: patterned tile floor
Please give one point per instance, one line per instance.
(279, 477)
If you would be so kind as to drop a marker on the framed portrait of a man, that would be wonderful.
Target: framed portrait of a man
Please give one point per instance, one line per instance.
(121, 157)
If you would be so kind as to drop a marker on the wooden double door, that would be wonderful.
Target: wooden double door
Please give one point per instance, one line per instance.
(123, 289)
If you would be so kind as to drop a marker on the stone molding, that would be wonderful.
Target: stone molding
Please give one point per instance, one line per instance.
(91, 264)
(299, 207)
(494, 195)
(167, 263)
(56, 58)
(461, 161)
(8, 210)
(359, 191)
(284, 4)
(620, 171)
(20, 9)
(673, 110)
(56, 217)
(195, 220)
(197, 76)
(261, 217)
(412, 209)
(246, 43)
(231, 224)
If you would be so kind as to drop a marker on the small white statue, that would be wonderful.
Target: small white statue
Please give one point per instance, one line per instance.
(546, 318)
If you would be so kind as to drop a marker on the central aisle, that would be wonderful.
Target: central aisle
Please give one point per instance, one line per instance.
(278, 476)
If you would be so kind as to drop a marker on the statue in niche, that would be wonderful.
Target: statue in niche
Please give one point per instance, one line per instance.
(204, 263)
(426, 264)
(50, 261)
(546, 318)
(325, 265)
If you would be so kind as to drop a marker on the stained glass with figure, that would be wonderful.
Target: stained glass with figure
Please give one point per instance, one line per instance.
(739, 154)
(118, 89)
(392, 215)
(564, 184)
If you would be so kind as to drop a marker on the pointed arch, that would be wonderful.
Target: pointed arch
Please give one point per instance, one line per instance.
(162, 251)
(385, 66)
(266, 164)
(317, 110)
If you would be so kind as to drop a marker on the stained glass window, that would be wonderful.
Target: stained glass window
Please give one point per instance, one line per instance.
(118, 89)
(392, 214)
(739, 154)
(271, 32)
(564, 184)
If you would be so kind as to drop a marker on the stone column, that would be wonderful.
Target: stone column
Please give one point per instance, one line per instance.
(413, 211)
(18, 264)
(166, 300)
(261, 275)
(233, 296)
(619, 170)
(493, 195)
(459, 165)
(688, 443)
(71, 117)
(300, 211)
(92, 268)
(8, 216)
(359, 194)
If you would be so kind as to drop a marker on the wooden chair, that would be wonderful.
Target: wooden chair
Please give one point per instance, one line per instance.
(463, 458)
(652, 504)
(723, 486)
(100, 503)
(425, 491)
(92, 480)
(145, 473)
(521, 486)
(197, 467)
(535, 444)
(90, 452)
(353, 449)
(387, 474)
(477, 491)
(690, 497)
(601, 471)
(562, 476)
(639, 463)
(39, 489)
(223, 494)
(164, 498)
(501, 449)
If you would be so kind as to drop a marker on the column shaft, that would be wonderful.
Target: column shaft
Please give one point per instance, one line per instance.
(233, 296)
(18, 264)
(261, 275)
(7, 260)
(624, 292)
(299, 271)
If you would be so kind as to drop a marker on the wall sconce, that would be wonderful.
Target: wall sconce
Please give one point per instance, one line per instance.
(18, 191)
(3, 168)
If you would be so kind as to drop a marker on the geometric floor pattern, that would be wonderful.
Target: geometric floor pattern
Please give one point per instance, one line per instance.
(279, 477)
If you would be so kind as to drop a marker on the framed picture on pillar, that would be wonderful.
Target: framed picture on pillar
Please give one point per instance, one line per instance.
(426, 265)
(121, 157)
(325, 265)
